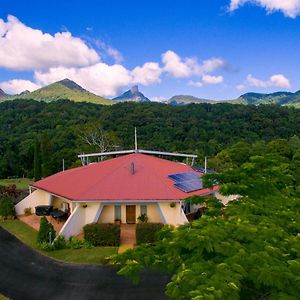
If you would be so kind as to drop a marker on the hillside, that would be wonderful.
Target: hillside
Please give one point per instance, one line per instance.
(64, 89)
(186, 99)
(132, 95)
(280, 98)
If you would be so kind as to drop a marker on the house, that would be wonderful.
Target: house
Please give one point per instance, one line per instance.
(120, 188)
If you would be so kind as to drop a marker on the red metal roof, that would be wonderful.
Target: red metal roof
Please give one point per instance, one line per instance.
(113, 180)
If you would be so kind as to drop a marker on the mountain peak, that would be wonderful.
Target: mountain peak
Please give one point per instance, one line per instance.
(133, 95)
(70, 84)
(2, 93)
(134, 89)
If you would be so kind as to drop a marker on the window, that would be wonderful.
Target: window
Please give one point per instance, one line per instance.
(143, 209)
(117, 212)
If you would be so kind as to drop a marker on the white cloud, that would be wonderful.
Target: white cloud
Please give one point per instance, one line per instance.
(241, 87)
(186, 67)
(16, 86)
(25, 48)
(102, 79)
(175, 65)
(208, 79)
(158, 99)
(211, 65)
(290, 8)
(115, 54)
(277, 80)
(148, 74)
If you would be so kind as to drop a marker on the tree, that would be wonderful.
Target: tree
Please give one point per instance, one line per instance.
(46, 155)
(46, 232)
(37, 161)
(7, 208)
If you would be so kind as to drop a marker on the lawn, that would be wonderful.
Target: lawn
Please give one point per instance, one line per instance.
(21, 183)
(94, 255)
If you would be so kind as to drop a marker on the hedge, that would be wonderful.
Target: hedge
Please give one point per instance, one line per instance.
(146, 232)
(102, 234)
(7, 208)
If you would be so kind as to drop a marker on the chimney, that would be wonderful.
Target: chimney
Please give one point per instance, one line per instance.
(132, 168)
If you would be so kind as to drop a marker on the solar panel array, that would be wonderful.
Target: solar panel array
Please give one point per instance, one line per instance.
(202, 170)
(187, 181)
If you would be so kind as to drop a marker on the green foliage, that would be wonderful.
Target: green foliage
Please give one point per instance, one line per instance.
(147, 232)
(202, 129)
(102, 234)
(27, 211)
(143, 218)
(37, 161)
(46, 232)
(7, 208)
(250, 250)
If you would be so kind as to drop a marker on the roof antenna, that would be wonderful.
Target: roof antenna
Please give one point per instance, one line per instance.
(135, 140)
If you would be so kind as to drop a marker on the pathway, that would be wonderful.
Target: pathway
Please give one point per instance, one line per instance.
(127, 237)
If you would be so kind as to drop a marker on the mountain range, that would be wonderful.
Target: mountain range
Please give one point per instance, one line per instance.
(68, 89)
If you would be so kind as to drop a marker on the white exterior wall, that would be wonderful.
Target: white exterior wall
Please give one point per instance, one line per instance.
(172, 215)
(152, 213)
(226, 199)
(84, 213)
(156, 212)
(38, 197)
(108, 214)
(74, 224)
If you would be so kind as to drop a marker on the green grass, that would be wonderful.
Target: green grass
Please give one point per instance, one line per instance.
(21, 183)
(3, 297)
(27, 235)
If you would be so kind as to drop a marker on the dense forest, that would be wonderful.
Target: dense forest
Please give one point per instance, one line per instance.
(58, 130)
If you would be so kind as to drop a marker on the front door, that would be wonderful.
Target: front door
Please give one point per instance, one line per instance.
(130, 214)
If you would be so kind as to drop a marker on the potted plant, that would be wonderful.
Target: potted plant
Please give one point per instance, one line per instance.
(118, 221)
(172, 204)
(143, 218)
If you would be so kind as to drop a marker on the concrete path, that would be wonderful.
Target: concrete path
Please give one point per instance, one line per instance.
(127, 237)
(26, 274)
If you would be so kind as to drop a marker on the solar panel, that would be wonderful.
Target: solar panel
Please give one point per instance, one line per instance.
(202, 170)
(184, 176)
(187, 181)
(189, 186)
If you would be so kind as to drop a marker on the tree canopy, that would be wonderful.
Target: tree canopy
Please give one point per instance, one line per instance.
(203, 129)
(248, 250)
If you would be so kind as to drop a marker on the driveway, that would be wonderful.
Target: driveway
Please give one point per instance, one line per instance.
(25, 274)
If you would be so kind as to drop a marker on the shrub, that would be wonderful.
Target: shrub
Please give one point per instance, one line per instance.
(102, 234)
(27, 211)
(75, 243)
(143, 218)
(46, 232)
(147, 232)
(59, 243)
(7, 208)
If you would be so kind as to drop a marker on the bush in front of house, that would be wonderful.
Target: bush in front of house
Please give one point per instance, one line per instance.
(102, 234)
(7, 208)
(46, 232)
(147, 232)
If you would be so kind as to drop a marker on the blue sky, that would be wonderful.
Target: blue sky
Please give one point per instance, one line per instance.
(211, 49)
